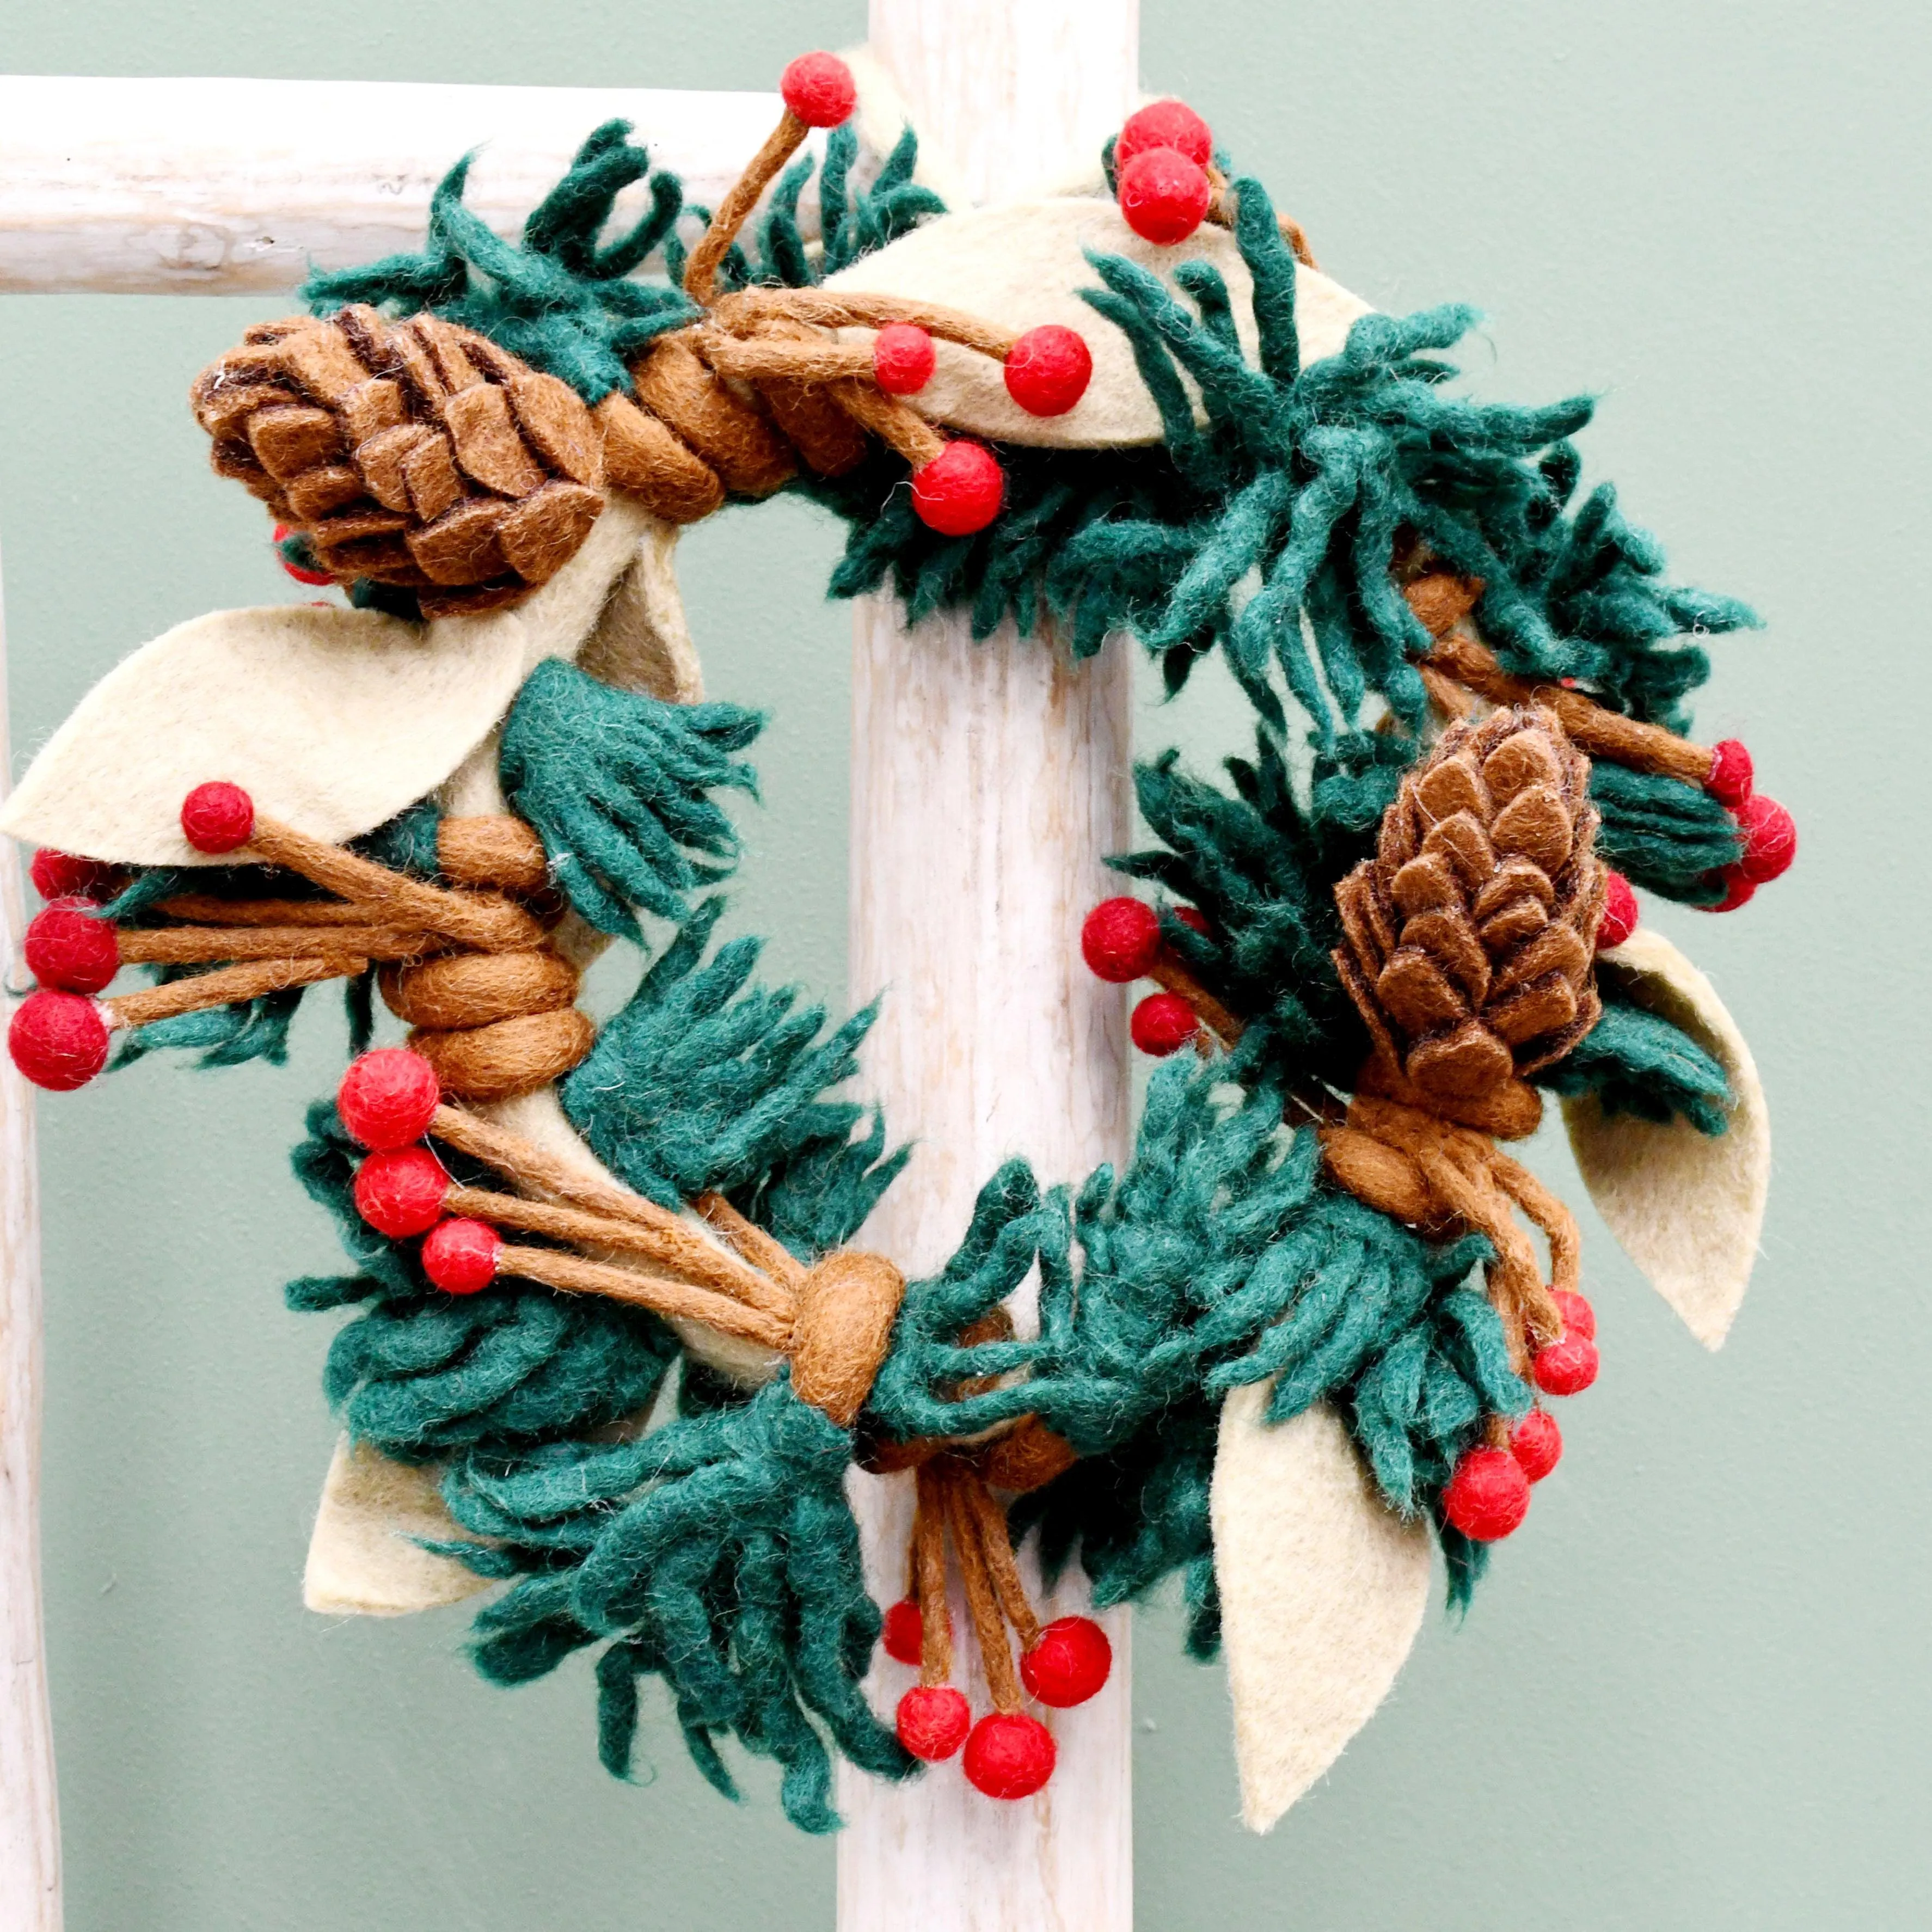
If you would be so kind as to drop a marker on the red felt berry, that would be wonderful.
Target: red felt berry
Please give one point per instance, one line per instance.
(1771, 839)
(1047, 370)
(1165, 124)
(1536, 1443)
(933, 1720)
(1620, 912)
(301, 573)
(1488, 1496)
(1731, 776)
(1193, 918)
(1162, 1023)
(1164, 195)
(1738, 890)
(1069, 1663)
(903, 358)
(460, 1254)
(1567, 1366)
(904, 1633)
(960, 490)
(67, 946)
(819, 89)
(1008, 1755)
(60, 875)
(1579, 1317)
(1119, 940)
(58, 1040)
(387, 1098)
(218, 816)
(400, 1192)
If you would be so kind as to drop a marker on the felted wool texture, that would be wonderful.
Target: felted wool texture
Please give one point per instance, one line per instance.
(1323, 1589)
(642, 641)
(539, 1117)
(364, 1560)
(1022, 264)
(559, 620)
(1687, 1207)
(333, 720)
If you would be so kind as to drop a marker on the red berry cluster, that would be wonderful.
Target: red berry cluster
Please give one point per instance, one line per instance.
(58, 1037)
(1770, 833)
(1008, 1754)
(1120, 941)
(1161, 160)
(1488, 1496)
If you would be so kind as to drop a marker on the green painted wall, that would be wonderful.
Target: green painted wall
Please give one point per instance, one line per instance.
(1695, 1693)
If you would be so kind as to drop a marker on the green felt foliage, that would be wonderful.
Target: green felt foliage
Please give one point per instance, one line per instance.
(618, 785)
(1636, 1062)
(704, 1081)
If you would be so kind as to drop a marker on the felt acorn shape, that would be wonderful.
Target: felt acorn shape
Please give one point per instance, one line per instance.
(415, 453)
(1468, 938)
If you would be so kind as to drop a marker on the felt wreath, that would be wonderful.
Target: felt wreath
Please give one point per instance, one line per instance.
(611, 1353)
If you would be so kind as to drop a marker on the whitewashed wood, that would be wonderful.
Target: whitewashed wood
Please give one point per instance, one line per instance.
(30, 1875)
(988, 780)
(229, 186)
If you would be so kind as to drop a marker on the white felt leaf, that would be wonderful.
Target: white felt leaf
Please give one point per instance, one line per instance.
(642, 642)
(362, 1560)
(1023, 263)
(1323, 1589)
(1686, 1208)
(332, 720)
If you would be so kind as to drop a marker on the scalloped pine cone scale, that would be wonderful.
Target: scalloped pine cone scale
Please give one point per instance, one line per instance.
(418, 454)
(1469, 940)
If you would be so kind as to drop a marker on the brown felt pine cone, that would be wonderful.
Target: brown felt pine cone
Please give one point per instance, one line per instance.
(415, 453)
(1469, 938)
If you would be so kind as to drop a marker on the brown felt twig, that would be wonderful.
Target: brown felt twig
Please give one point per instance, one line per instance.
(225, 986)
(572, 1275)
(187, 945)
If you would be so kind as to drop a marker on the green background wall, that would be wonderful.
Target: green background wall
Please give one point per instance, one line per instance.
(1696, 1692)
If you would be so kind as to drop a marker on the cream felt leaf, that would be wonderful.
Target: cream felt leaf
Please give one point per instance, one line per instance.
(642, 642)
(363, 1559)
(1323, 1589)
(1686, 1208)
(1022, 264)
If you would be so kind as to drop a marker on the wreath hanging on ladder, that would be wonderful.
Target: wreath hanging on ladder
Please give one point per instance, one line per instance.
(1306, 1326)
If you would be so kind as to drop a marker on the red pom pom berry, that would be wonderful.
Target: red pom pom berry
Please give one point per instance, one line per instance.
(1620, 912)
(60, 875)
(217, 818)
(1566, 1367)
(1164, 195)
(1731, 776)
(388, 1098)
(299, 572)
(1579, 1317)
(1738, 890)
(903, 358)
(1536, 1443)
(58, 1040)
(904, 1633)
(960, 490)
(933, 1720)
(460, 1254)
(1047, 370)
(1069, 1663)
(1771, 839)
(1165, 124)
(400, 1192)
(1488, 1496)
(819, 89)
(67, 946)
(1163, 1023)
(1008, 1755)
(1120, 939)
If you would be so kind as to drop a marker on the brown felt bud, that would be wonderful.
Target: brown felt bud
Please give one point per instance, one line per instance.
(844, 1324)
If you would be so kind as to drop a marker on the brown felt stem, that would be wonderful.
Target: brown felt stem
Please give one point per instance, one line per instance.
(749, 308)
(1595, 731)
(224, 986)
(204, 909)
(929, 1574)
(887, 417)
(187, 945)
(1168, 971)
(1221, 212)
(760, 358)
(761, 1250)
(982, 1601)
(700, 272)
(996, 1543)
(490, 924)
(572, 1275)
(675, 1248)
